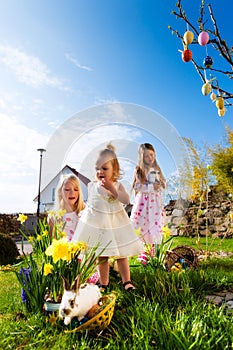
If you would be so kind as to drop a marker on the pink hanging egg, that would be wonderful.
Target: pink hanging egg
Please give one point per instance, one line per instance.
(203, 38)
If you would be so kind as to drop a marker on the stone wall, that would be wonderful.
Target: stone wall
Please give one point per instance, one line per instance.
(210, 217)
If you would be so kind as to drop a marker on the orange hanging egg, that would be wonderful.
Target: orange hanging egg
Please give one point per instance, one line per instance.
(186, 55)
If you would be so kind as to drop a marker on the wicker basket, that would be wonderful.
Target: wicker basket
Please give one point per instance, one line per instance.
(102, 319)
(184, 252)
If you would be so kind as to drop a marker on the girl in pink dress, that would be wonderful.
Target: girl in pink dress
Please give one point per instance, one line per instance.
(147, 212)
(69, 197)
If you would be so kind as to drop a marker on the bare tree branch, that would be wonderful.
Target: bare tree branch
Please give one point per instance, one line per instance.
(216, 41)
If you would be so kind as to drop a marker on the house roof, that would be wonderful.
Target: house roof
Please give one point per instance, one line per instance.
(81, 177)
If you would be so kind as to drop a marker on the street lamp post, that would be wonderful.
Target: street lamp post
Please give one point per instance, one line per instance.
(41, 150)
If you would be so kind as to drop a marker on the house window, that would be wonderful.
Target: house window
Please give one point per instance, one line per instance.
(53, 194)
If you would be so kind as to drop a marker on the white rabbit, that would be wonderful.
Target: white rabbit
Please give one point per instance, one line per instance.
(77, 300)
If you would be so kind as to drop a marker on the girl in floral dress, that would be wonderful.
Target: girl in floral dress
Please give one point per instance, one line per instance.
(69, 197)
(148, 182)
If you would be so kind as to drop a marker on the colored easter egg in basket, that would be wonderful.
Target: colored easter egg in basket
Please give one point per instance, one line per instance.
(83, 320)
(93, 311)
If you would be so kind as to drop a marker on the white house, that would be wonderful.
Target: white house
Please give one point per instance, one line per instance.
(47, 195)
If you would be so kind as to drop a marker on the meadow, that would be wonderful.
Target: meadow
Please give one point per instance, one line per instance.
(168, 310)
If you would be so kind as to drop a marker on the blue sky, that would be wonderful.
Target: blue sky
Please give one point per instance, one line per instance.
(59, 57)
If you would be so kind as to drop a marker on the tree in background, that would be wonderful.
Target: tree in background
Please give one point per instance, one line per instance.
(205, 167)
(196, 175)
(222, 164)
(206, 33)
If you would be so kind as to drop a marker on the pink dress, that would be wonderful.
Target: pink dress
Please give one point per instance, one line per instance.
(71, 221)
(148, 214)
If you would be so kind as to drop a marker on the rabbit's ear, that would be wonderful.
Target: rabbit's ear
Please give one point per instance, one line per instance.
(66, 284)
(76, 284)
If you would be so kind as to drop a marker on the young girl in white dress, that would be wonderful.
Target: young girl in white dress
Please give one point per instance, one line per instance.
(147, 213)
(104, 221)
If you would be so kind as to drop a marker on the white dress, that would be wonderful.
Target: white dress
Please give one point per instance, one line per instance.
(104, 221)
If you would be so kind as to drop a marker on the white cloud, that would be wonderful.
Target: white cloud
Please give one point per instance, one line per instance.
(76, 63)
(19, 165)
(18, 145)
(28, 69)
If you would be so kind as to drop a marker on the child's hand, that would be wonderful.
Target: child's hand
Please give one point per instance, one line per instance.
(108, 185)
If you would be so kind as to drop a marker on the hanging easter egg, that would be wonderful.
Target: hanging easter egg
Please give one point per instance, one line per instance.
(206, 89)
(203, 38)
(219, 103)
(208, 61)
(188, 37)
(186, 55)
(221, 112)
(213, 96)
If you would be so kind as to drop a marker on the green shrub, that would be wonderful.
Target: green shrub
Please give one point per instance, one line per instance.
(9, 250)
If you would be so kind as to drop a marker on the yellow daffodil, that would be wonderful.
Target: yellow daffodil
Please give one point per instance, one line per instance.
(22, 218)
(38, 237)
(52, 319)
(60, 213)
(45, 233)
(166, 231)
(81, 246)
(30, 239)
(59, 249)
(63, 234)
(48, 268)
(51, 214)
(59, 225)
(231, 216)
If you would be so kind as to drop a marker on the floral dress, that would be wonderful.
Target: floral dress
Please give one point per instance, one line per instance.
(148, 214)
(104, 222)
(71, 221)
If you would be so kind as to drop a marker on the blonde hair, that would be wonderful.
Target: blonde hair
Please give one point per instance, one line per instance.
(140, 168)
(109, 153)
(59, 202)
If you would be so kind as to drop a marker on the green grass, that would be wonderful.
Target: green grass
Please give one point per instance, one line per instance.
(211, 244)
(167, 311)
